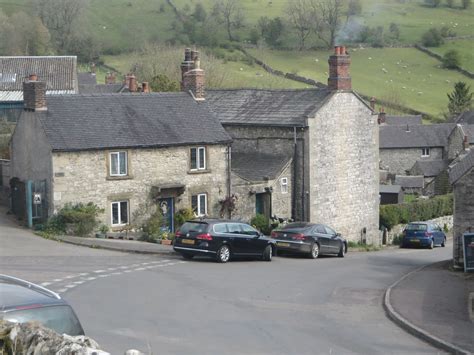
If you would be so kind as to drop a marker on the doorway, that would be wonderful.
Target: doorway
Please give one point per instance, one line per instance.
(263, 204)
(166, 206)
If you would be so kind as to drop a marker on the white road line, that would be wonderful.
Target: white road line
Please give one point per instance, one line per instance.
(62, 290)
(46, 283)
(104, 275)
(70, 286)
(91, 278)
(70, 277)
(84, 274)
(79, 282)
(140, 269)
(57, 280)
(99, 271)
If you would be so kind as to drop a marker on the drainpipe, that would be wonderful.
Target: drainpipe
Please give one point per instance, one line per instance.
(229, 166)
(29, 203)
(295, 157)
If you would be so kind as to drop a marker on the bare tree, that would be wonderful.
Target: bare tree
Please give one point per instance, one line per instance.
(327, 15)
(61, 17)
(230, 11)
(300, 15)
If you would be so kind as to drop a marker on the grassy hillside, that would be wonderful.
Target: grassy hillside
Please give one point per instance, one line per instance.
(464, 47)
(405, 75)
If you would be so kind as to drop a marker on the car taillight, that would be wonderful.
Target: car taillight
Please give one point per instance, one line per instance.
(298, 237)
(273, 234)
(206, 236)
(178, 234)
(428, 234)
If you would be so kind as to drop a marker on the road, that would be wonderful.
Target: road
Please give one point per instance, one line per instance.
(170, 306)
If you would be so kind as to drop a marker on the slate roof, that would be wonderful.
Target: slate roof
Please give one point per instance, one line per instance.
(85, 122)
(461, 167)
(466, 117)
(403, 120)
(417, 136)
(102, 89)
(390, 189)
(86, 78)
(469, 131)
(266, 107)
(409, 181)
(259, 166)
(59, 73)
(430, 168)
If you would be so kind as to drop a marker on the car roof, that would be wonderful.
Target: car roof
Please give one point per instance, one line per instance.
(15, 293)
(214, 221)
(299, 225)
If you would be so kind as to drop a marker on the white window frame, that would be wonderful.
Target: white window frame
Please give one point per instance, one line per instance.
(118, 203)
(284, 185)
(200, 163)
(425, 152)
(117, 153)
(198, 207)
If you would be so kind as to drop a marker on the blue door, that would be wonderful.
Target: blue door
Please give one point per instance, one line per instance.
(166, 205)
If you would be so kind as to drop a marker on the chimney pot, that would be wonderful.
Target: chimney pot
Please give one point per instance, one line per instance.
(382, 116)
(145, 87)
(132, 83)
(339, 76)
(33, 77)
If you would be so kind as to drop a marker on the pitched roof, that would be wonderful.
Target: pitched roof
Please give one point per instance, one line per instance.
(86, 78)
(84, 122)
(461, 167)
(390, 189)
(430, 168)
(59, 73)
(466, 117)
(403, 120)
(266, 107)
(102, 88)
(410, 181)
(469, 131)
(259, 166)
(413, 136)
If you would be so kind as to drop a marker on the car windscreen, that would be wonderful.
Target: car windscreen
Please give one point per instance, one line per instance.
(416, 227)
(193, 227)
(58, 318)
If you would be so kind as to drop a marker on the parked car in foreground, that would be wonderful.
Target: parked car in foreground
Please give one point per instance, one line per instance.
(423, 234)
(22, 301)
(311, 239)
(222, 240)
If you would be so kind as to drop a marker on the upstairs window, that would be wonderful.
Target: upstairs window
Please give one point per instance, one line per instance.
(198, 158)
(425, 152)
(284, 185)
(118, 164)
(199, 204)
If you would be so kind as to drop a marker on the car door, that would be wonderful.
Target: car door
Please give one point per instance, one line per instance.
(254, 243)
(333, 241)
(239, 242)
(323, 238)
(439, 235)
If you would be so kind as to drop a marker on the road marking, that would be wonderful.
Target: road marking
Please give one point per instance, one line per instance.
(79, 282)
(70, 286)
(90, 278)
(70, 277)
(46, 284)
(57, 280)
(99, 271)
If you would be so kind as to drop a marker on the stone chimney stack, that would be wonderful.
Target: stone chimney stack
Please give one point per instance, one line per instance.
(186, 65)
(339, 76)
(372, 103)
(194, 79)
(34, 94)
(132, 83)
(382, 115)
(110, 78)
(465, 143)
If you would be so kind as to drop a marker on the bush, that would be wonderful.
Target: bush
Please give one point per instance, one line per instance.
(451, 59)
(432, 38)
(83, 217)
(261, 223)
(181, 216)
(419, 210)
(155, 226)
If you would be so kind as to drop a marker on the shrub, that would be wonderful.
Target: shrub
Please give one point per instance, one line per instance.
(181, 216)
(155, 226)
(262, 223)
(451, 59)
(419, 210)
(432, 38)
(83, 217)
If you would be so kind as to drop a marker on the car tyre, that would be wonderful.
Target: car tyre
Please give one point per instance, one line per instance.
(342, 251)
(431, 244)
(314, 251)
(187, 256)
(443, 244)
(267, 253)
(223, 254)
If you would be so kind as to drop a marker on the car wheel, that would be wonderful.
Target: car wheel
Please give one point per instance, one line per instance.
(223, 254)
(431, 244)
(267, 253)
(187, 256)
(314, 251)
(342, 251)
(443, 244)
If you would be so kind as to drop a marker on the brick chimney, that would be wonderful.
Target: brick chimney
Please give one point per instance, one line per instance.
(34, 94)
(339, 76)
(145, 87)
(194, 79)
(186, 65)
(132, 83)
(110, 78)
(382, 115)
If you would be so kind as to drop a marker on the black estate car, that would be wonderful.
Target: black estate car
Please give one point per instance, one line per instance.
(22, 301)
(309, 238)
(222, 240)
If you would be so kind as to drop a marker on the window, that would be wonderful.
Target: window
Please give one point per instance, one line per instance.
(198, 158)
(425, 152)
(199, 204)
(248, 230)
(119, 213)
(118, 164)
(220, 228)
(284, 185)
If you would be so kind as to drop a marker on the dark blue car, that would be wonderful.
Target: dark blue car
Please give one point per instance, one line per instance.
(423, 234)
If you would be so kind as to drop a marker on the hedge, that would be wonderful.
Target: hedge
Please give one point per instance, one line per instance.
(419, 210)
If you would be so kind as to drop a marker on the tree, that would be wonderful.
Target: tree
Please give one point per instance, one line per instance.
(460, 100)
(394, 30)
(326, 20)
(230, 11)
(271, 30)
(161, 83)
(466, 4)
(199, 13)
(354, 8)
(451, 59)
(432, 38)
(450, 3)
(300, 17)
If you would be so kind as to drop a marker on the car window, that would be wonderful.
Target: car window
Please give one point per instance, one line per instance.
(220, 228)
(320, 229)
(416, 227)
(59, 318)
(190, 227)
(248, 230)
(329, 230)
(234, 228)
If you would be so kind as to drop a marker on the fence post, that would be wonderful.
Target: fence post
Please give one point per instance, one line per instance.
(29, 203)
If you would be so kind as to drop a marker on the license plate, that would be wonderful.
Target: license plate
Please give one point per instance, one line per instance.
(283, 244)
(415, 240)
(187, 241)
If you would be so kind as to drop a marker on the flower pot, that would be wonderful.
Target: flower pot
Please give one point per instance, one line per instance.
(166, 242)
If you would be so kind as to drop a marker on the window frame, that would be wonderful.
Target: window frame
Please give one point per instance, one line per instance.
(425, 152)
(198, 204)
(284, 185)
(201, 164)
(120, 224)
(118, 152)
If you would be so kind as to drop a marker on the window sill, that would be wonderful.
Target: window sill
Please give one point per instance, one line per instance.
(126, 177)
(204, 171)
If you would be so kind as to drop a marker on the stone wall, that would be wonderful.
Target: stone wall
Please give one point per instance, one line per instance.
(463, 213)
(398, 160)
(343, 167)
(83, 177)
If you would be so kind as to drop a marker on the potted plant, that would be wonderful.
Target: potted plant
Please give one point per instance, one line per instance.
(165, 238)
(103, 229)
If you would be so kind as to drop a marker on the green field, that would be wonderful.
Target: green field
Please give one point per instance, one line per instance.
(465, 48)
(405, 75)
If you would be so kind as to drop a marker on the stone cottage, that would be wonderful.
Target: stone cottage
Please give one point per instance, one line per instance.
(122, 151)
(331, 135)
(461, 176)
